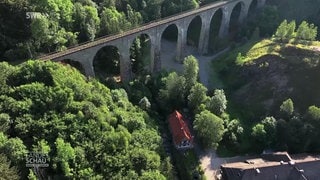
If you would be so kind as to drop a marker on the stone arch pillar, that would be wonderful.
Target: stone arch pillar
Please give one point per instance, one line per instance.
(182, 39)
(261, 3)
(244, 10)
(152, 55)
(204, 34)
(224, 27)
(156, 51)
(125, 64)
(88, 67)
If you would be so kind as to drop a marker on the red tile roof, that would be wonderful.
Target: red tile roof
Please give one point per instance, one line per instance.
(179, 128)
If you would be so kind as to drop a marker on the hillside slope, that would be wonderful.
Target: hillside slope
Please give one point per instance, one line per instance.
(264, 74)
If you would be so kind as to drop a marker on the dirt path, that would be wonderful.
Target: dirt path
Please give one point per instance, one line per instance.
(211, 163)
(168, 52)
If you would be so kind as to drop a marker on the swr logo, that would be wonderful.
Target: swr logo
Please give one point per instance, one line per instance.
(35, 15)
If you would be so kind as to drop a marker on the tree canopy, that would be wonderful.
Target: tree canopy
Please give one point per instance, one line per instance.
(209, 128)
(305, 31)
(88, 130)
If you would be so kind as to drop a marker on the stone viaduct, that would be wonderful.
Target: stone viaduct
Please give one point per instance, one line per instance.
(85, 53)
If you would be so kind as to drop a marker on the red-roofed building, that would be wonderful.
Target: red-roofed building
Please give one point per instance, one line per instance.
(181, 135)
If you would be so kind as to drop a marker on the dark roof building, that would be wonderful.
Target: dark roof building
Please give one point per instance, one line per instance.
(181, 135)
(275, 166)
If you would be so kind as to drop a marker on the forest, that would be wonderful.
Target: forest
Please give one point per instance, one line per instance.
(261, 94)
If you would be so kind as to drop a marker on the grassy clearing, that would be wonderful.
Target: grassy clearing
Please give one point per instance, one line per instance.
(316, 43)
(271, 47)
(262, 48)
(231, 56)
(226, 63)
(254, 50)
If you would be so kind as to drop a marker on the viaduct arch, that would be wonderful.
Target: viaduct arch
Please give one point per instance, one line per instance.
(85, 53)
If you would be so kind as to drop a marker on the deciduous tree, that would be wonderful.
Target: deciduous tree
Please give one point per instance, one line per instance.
(307, 31)
(282, 30)
(174, 90)
(217, 104)
(197, 96)
(190, 71)
(209, 128)
(287, 107)
(87, 21)
(7, 170)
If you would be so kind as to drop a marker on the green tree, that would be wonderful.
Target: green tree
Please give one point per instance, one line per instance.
(40, 31)
(31, 175)
(134, 18)
(176, 6)
(313, 32)
(87, 21)
(56, 26)
(302, 31)
(259, 134)
(150, 9)
(60, 11)
(4, 122)
(233, 133)
(217, 104)
(282, 30)
(42, 146)
(145, 103)
(197, 96)
(65, 153)
(168, 169)
(6, 70)
(6, 170)
(307, 31)
(287, 107)
(13, 33)
(14, 148)
(297, 134)
(291, 30)
(190, 72)
(144, 160)
(136, 56)
(113, 21)
(174, 90)
(313, 113)
(48, 36)
(270, 126)
(268, 20)
(209, 128)
(154, 175)
(107, 3)
(312, 123)
(147, 139)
